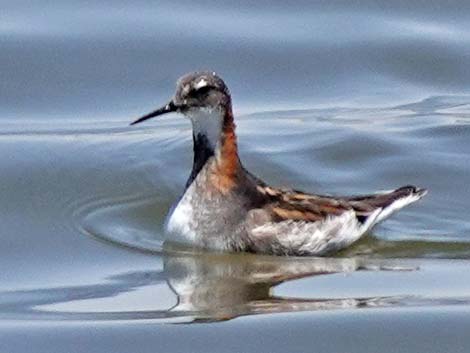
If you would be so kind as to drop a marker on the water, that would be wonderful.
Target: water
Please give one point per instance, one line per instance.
(334, 97)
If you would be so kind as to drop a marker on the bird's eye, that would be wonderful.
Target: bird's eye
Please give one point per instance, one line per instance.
(202, 91)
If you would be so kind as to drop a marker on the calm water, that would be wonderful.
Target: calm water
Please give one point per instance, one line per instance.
(334, 97)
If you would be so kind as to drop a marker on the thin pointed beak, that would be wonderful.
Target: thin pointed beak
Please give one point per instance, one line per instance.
(170, 107)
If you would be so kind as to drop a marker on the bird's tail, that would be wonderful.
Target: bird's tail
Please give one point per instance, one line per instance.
(386, 203)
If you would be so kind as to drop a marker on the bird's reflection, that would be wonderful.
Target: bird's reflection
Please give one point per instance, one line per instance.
(207, 287)
(222, 287)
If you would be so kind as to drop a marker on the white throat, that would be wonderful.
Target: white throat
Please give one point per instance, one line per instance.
(207, 122)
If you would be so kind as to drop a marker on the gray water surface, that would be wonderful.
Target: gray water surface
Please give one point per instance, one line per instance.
(330, 97)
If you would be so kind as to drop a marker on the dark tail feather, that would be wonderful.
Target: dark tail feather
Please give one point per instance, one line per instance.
(389, 202)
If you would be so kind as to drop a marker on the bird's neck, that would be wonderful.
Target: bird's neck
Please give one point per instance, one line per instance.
(214, 139)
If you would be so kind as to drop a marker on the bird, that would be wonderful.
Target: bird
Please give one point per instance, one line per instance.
(226, 208)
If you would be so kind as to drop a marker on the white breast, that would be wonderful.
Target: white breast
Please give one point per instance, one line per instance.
(180, 221)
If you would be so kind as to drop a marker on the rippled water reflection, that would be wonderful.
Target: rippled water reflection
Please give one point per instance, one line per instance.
(197, 288)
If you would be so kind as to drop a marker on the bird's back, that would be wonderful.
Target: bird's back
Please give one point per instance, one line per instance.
(297, 223)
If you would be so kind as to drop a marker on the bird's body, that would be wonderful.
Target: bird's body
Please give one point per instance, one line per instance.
(226, 208)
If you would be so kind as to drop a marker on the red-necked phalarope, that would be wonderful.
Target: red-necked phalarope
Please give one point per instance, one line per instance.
(226, 208)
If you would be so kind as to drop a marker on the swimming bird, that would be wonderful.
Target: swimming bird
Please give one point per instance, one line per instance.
(226, 208)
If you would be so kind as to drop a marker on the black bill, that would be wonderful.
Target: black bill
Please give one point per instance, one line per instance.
(170, 107)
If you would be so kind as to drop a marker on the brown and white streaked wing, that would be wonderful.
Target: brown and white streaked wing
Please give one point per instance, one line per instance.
(275, 232)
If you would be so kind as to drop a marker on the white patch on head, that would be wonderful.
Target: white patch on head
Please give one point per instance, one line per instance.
(200, 84)
(207, 122)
